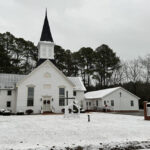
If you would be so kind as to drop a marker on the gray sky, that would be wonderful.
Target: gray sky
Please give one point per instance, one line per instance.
(124, 25)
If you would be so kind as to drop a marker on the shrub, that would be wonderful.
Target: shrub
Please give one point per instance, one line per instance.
(20, 113)
(7, 113)
(63, 110)
(2, 111)
(29, 111)
(70, 110)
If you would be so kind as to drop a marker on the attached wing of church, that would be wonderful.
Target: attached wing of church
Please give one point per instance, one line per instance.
(46, 88)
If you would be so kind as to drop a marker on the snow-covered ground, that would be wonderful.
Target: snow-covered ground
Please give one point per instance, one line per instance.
(43, 131)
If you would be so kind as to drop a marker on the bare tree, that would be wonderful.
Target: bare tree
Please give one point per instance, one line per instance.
(133, 72)
(118, 76)
(145, 62)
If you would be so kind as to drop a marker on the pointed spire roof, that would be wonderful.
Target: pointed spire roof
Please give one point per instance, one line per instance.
(46, 32)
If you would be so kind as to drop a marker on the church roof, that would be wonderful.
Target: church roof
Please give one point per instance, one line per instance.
(79, 86)
(8, 81)
(46, 32)
(102, 93)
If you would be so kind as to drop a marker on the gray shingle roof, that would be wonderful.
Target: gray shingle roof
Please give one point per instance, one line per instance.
(102, 93)
(8, 81)
(99, 93)
(78, 83)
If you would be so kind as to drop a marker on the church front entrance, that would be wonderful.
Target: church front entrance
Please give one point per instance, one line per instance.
(46, 105)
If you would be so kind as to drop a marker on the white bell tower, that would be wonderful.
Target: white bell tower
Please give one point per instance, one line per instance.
(46, 43)
(45, 50)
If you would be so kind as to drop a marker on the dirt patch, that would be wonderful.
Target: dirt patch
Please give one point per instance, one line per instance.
(134, 145)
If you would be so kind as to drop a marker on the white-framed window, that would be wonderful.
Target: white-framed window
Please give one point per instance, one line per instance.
(30, 98)
(8, 104)
(74, 93)
(97, 103)
(9, 92)
(86, 103)
(120, 94)
(61, 96)
(112, 102)
(104, 102)
(132, 103)
(67, 97)
(89, 103)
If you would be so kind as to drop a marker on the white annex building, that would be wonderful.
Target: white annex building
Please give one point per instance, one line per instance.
(115, 99)
(46, 88)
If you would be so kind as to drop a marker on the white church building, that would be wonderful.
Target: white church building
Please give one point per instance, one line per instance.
(46, 88)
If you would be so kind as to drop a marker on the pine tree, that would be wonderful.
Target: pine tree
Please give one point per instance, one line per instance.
(5, 65)
(22, 54)
(106, 63)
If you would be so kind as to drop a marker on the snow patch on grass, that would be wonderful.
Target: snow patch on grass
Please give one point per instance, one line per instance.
(45, 131)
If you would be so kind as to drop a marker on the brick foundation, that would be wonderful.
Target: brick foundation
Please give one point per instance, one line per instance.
(145, 112)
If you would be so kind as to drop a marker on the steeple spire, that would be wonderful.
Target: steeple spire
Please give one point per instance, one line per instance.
(46, 13)
(46, 32)
(46, 44)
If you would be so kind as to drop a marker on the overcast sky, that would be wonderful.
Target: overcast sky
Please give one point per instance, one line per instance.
(124, 25)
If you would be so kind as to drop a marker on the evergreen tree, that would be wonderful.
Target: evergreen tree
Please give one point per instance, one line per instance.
(75, 63)
(5, 65)
(64, 60)
(85, 59)
(106, 62)
(59, 57)
(22, 54)
(69, 68)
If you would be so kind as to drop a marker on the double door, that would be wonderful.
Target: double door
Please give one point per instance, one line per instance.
(46, 105)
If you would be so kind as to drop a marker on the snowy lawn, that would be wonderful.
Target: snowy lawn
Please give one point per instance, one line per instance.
(43, 131)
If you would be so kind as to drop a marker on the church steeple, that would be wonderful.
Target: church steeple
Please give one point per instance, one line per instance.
(46, 32)
(46, 44)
